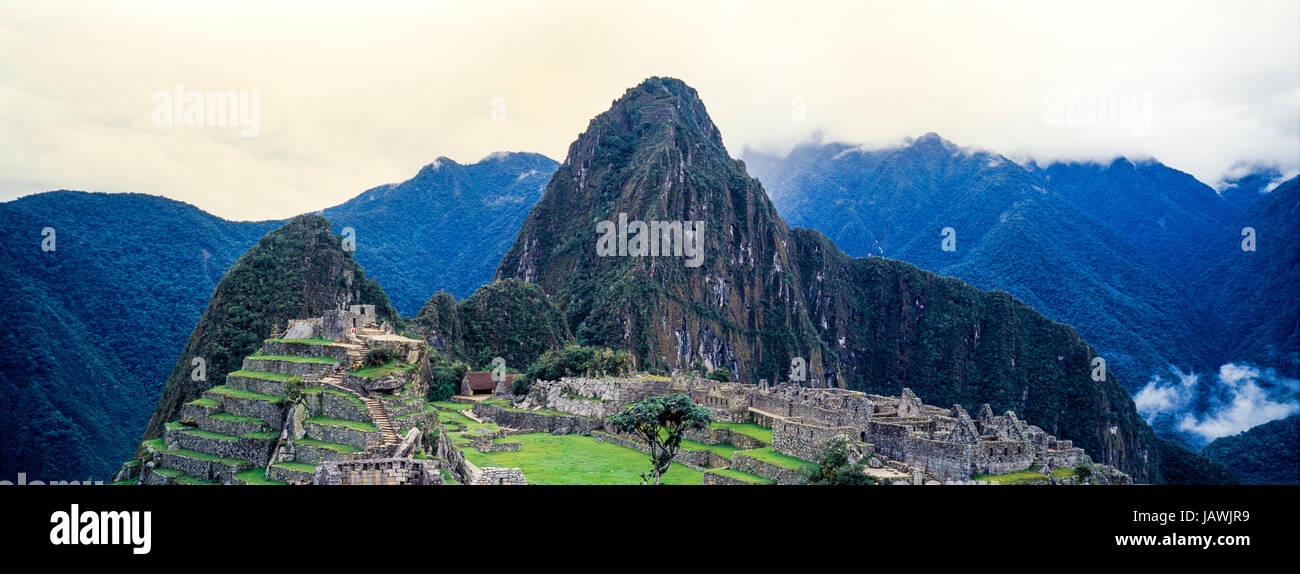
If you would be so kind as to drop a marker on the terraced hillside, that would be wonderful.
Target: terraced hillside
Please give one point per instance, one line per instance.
(294, 405)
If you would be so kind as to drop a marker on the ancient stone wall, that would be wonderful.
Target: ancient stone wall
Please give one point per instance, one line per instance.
(802, 440)
(385, 471)
(537, 422)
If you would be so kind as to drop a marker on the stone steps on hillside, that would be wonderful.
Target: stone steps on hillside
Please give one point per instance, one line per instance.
(380, 416)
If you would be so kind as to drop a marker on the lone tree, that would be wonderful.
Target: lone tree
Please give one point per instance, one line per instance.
(660, 422)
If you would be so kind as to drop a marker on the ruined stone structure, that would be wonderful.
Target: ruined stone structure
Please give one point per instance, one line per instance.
(943, 444)
(298, 412)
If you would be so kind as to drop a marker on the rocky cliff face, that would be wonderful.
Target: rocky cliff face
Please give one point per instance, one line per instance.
(655, 156)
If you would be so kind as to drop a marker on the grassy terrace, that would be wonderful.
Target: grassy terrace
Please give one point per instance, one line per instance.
(295, 359)
(311, 341)
(577, 459)
(185, 452)
(741, 476)
(331, 446)
(156, 444)
(354, 425)
(380, 371)
(1063, 472)
(211, 435)
(334, 391)
(451, 406)
(263, 375)
(722, 450)
(236, 418)
(748, 429)
(205, 402)
(766, 454)
(168, 472)
(1020, 477)
(242, 394)
(187, 479)
(298, 466)
(255, 476)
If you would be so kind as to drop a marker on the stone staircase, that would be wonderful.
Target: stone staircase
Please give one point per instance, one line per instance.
(380, 416)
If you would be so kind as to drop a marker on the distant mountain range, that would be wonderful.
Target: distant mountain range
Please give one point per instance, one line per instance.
(445, 228)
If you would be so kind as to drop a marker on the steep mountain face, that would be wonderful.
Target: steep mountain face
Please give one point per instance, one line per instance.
(764, 294)
(1161, 211)
(655, 156)
(1012, 231)
(298, 270)
(92, 325)
(896, 326)
(446, 227)
(510, 319)
(1265, 454)
(1254, 296)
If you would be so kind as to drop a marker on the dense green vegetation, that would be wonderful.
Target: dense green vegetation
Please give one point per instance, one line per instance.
(1265, 454)
(510, 319)
(1181, 466)
(92, 328)
(578, 360)
(298, 270)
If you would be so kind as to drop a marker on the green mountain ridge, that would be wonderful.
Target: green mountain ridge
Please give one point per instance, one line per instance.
(296, 271)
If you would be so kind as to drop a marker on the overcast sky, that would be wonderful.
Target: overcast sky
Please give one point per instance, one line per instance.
(353, 95)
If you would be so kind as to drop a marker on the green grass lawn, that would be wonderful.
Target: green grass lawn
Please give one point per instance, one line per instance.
(205, 402)
(748, 429)
(1020, 477)
(766, 454)
(577, 459)
(742, 476)
(451, 406)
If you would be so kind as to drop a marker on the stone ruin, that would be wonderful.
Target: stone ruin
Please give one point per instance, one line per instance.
(945, 444)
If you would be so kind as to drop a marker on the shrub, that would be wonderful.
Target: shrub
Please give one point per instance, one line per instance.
(721, 374)
(378, 357)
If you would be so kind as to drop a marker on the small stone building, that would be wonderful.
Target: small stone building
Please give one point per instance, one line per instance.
(482, 383)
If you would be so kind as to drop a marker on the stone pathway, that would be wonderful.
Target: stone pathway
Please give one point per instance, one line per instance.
(380, 416)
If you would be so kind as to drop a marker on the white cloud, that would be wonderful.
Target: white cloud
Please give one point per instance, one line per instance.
(357, 94)
(1241, 397)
